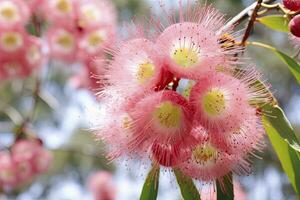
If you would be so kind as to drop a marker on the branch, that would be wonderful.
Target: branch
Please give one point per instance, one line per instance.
(243, 15)
(251, 22)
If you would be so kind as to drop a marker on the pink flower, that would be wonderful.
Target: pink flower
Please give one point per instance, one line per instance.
(95, 13)
(220, 102)
(13, 41)
(8, 176)
(14, 67)
(20, 53)
(24, 168)
(13, 13)
(208, 161)
(60, 12)
(42, 161)
(31, 151)
(162, 121)
(94, 41)
(101, 185)
(62, 43)
(192, 45)
(137, 66)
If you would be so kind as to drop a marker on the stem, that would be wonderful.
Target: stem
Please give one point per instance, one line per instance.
(251, 22)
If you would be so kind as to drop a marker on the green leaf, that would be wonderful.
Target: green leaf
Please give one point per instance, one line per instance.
(284, 142)
(187, 186)
(151, 184)
(225, 188)
(275, 22)
(290, 62)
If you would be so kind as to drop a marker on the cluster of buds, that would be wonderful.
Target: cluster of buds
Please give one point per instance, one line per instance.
(20, 52)
(101, 186)
(26, 159)
(179, 99)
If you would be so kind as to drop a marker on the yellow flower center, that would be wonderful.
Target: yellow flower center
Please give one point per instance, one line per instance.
(205, 154)
(185, 57)
(90, 12)
(8, 11)
(65, 40)
(214, 102)
(11, 41)
(95, 39)
(145, 72)
(168, 115)
(64, 6)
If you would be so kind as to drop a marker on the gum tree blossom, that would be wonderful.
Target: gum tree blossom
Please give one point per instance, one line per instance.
(179, 97)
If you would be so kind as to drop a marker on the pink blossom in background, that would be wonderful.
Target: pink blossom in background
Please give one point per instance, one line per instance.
(8, 177)
(81, 28)
(101, 185)
(27, 159)
(13, 13)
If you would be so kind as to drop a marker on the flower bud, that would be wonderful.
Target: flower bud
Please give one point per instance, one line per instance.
(293, 5)
(294, 26)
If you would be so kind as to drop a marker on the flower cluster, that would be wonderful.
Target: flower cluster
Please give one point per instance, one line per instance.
(75, 31)
(20, 53)
(101, 185)
(26, 159)
(79, 31)
(178, 98)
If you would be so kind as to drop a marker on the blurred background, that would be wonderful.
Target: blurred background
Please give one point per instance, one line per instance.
(64, 117)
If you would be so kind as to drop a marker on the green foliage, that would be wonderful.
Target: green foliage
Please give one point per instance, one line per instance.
(225, 188)
(290, 62)
(187, 186)
(275, 22)
(284, 142)
(151, 184)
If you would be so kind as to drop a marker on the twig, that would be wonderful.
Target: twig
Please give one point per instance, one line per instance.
(243, 15)
(251, 22)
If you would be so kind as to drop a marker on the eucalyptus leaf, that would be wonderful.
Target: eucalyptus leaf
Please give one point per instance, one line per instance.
(187, 186)
(151, 184)
(290, 62)
(275, 22)
(225, 188)
(284, 142)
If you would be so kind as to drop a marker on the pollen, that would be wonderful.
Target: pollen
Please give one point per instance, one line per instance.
(185, 57)
(9, 12)
(145, 72)
(205, 154)
(11, 41)
(214, 102)
(168, 115)
(64, 6)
